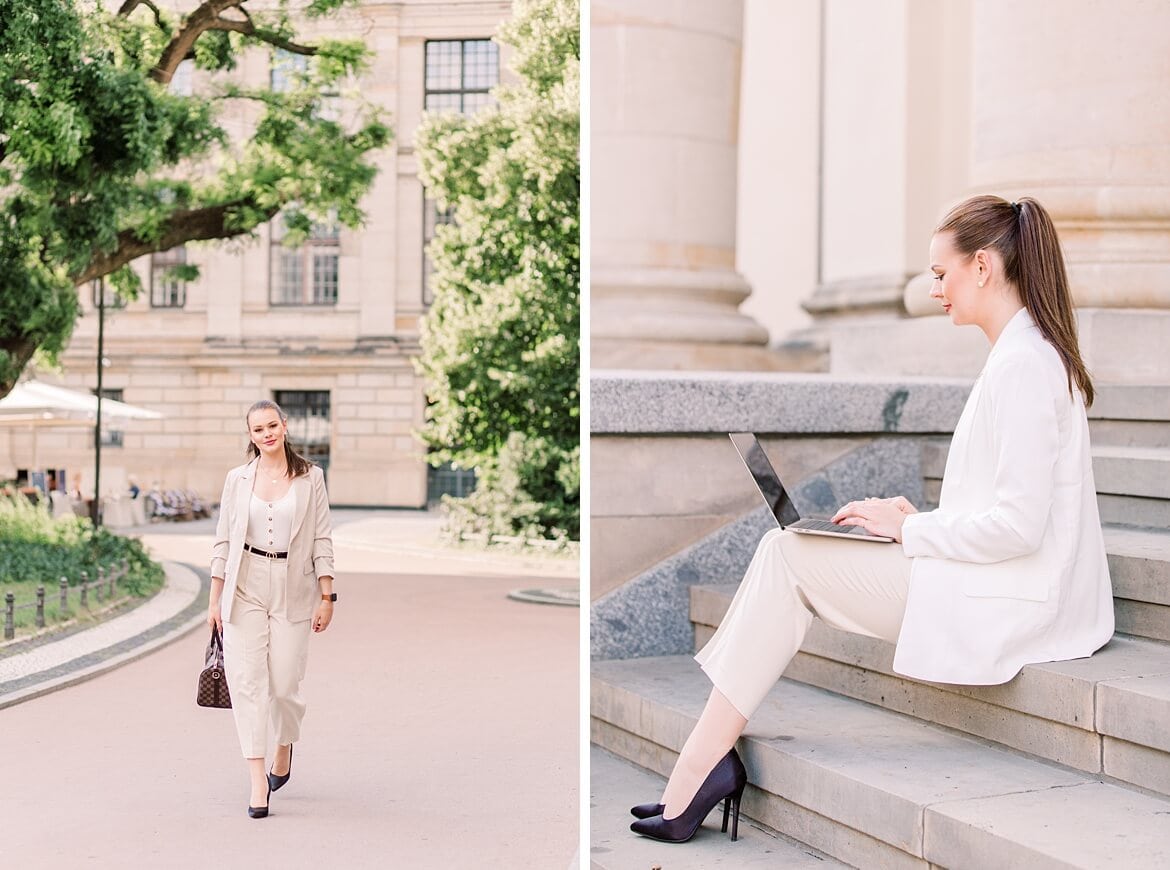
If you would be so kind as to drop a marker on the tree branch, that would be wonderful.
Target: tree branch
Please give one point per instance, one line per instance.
(130, 5)
(189, 225)
(208, 17)
(249, 29)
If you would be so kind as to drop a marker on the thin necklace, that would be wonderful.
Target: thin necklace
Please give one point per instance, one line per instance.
(266, 471)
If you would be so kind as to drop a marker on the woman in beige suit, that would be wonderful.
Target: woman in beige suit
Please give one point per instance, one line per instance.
(1009, 570)
(271, 584)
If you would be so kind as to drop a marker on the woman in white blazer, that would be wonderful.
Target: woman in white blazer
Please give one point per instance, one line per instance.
(1011, 567)
(271, 584)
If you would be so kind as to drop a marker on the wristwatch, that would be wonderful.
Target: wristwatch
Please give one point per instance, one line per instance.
(330, 597)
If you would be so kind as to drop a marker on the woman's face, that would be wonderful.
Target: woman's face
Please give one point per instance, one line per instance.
(956, 280)
(267, 431)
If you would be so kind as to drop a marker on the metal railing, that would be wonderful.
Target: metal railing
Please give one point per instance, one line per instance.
(103, 588)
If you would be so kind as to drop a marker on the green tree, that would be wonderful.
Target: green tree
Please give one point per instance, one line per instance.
(100, 163)
(500, 344)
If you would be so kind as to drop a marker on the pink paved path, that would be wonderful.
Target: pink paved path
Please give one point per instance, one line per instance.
(442, 731)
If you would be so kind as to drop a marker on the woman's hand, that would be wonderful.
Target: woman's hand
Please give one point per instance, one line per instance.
(878, 516)
(323, 615)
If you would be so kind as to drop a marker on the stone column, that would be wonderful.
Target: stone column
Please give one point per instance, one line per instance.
(1072, 106)
(665, 119)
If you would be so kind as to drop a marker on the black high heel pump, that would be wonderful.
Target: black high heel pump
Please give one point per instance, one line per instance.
(274, 781)
(261, 812)
(725, 782)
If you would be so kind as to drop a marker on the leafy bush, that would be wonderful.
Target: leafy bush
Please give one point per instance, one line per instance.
(500, 345)
(531, 490)
(35, 546)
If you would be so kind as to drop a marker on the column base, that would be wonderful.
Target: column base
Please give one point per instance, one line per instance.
(1122, 346)
(643, 353)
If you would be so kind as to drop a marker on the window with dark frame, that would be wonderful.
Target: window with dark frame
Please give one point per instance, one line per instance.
(167, 291)
(111, 437)
(309, 424)
(459, 76)
(307, 274)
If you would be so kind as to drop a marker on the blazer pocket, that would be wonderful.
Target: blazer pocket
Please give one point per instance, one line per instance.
(309, 568)
(1026, 578)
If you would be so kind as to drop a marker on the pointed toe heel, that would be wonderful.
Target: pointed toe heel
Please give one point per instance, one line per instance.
(725, 782)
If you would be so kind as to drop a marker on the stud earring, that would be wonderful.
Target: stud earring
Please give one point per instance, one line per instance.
(980, 283)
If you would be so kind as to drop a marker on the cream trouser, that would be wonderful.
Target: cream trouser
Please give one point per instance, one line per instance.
(858, 586)
(264, 656)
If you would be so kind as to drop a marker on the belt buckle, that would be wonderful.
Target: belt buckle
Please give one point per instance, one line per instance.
(269, 555)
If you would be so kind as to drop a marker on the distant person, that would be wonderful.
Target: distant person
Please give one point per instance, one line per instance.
(271, 585)
(134, 489)
(1009, 570)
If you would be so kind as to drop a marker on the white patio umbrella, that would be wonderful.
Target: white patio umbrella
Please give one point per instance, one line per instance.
(44, 404)
(34, 405)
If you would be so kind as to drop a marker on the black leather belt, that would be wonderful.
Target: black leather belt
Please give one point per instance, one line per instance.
(265, 553)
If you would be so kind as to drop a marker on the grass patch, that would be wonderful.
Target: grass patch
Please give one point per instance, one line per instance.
(36, 550)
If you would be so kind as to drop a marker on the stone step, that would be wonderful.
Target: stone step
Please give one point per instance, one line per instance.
(616, 784)
(1135, 415)
(1117, 470)
(1139, 563)
(1102, 714)
(1133, 483)
(874, 788)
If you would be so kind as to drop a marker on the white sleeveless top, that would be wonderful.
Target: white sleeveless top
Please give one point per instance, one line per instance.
(270, 522)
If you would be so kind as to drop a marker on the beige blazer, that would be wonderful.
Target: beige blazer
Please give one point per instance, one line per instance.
(310, 552)
(1011, 568)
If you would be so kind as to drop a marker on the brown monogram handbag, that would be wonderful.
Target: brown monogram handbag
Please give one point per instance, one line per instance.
(213, 687)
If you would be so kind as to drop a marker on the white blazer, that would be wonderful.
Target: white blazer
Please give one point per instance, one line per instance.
(310, 553)
(1011, 568)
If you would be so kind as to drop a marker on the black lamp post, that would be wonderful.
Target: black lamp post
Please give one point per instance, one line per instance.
(99, 291)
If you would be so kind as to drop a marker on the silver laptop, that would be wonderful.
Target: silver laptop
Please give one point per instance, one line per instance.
(776, 497)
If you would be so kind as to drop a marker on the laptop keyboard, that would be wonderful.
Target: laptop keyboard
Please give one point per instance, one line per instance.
(824, 526)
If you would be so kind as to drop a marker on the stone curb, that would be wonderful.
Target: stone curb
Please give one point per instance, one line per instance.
(93, 663)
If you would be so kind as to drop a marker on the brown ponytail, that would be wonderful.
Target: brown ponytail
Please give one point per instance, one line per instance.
(1026, 239)
(297, 464)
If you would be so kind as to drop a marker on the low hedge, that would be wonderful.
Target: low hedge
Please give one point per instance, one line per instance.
(34, 546)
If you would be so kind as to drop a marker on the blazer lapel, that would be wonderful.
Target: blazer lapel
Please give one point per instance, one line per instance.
(304, 490)
(246, 483)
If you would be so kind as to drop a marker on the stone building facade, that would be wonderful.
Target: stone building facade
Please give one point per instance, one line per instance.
(813, 146)
(329, 330)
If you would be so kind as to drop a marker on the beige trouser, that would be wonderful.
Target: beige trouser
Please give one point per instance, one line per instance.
(858, 586)
(264, 656)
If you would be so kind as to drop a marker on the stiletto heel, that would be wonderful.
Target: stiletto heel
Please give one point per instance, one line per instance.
(725, 782)
(274, 781)
(728, 804)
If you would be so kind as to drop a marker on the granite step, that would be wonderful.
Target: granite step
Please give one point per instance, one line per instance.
(616, 784)
(1103, 714)
(1136, 415)
(1133, 482)
(874, 788)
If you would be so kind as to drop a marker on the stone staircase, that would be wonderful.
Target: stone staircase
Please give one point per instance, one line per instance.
(1068, 765)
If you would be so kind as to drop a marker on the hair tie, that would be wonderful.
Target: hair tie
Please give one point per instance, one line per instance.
(1016, 207)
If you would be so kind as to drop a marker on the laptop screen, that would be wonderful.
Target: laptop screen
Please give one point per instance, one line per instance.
(766, 478)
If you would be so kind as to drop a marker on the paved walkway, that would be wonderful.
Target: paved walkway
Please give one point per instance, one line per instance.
(442, 731)
(617, 785)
